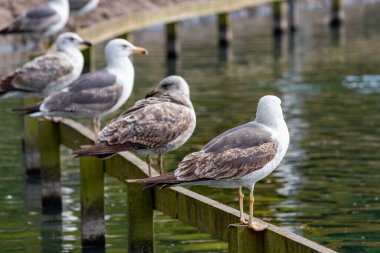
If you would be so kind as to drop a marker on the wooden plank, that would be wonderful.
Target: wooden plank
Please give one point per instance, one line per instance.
(30, 145)
(171, 13)
(140, 218)
(241, 240)
(214, 218)
(50, 167)
(92, 202)
(74, 135)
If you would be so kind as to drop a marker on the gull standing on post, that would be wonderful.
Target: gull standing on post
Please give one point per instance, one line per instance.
(237, 158)
(49, 73)
(154, 125)
(44, 20)
(78, 7)
(95, 94)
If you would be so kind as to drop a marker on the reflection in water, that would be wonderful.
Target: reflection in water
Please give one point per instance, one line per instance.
(326, 189)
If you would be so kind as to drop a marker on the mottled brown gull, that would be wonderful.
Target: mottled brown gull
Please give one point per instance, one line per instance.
(154, 125)
(95, 94)
(237, 158)
(49, 73)
(46, 20)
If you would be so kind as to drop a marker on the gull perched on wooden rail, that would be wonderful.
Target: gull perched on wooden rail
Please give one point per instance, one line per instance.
(94, 94)
(237, 158)
(49, 73)
(78, 7)
(46, 20)
(154, 125)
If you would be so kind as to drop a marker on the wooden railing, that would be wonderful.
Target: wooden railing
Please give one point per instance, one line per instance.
(189, 207)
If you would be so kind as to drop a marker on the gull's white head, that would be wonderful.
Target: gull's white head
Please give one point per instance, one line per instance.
(67, 41)
(171, 85)
(269, 110)
(119, 49)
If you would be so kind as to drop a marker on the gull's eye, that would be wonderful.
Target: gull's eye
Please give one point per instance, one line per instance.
(165, 86)
(71, 39)
(124, 46)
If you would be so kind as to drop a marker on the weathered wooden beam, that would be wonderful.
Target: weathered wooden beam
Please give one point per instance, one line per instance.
(279, 17)
(140, 218)
(50, 167)
(224, 29)
(92, 202)
(337, 14)
(241, 239)
(171, 13)
(30, 145)
(173, 45)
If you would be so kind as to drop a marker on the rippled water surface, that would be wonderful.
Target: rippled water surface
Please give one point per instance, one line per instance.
(327, 187)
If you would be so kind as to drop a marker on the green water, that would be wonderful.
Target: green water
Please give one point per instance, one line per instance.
(327, 187)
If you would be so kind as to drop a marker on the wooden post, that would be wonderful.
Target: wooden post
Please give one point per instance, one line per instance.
(140, 218)
(50, 167)
(337, 14)
(92, 202)
(173, 46)
(89, 59)
(279, 16)
(224, 28)
(241, 239)
(292, 15)
(30, 145)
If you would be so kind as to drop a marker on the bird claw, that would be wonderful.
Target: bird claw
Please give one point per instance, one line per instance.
(257, 226)
(243, 222)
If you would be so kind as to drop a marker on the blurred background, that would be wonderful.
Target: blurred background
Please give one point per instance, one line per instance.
(327, 187)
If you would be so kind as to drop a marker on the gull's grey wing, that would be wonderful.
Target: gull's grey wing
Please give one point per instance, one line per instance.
(149, 124)
(76, 5)
(91, 94)
(34, 21)
(231, 155)
(37, 74)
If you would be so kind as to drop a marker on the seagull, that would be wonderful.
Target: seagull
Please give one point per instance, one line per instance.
(154, 125)
(236, 158)
(47, 74)
(78, 7)
(94, 94)
(44, 20)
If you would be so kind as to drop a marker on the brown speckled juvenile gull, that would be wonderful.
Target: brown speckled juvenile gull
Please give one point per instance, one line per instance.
(49, 73)
(78, 7)
(46, 20)
(237, 158)
(154, 125)
(95, 94)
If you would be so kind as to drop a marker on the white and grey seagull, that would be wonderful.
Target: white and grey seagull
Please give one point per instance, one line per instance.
(44, 20)
(154, 125)
(237, 158)
(49, 73)
(94, 94)
(78, 7)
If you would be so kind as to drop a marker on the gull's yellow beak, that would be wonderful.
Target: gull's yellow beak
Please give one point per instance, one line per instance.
(140, 50)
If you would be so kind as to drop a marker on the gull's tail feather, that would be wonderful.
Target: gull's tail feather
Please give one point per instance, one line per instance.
(28, 109)
(101, 150)
(162, 181)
